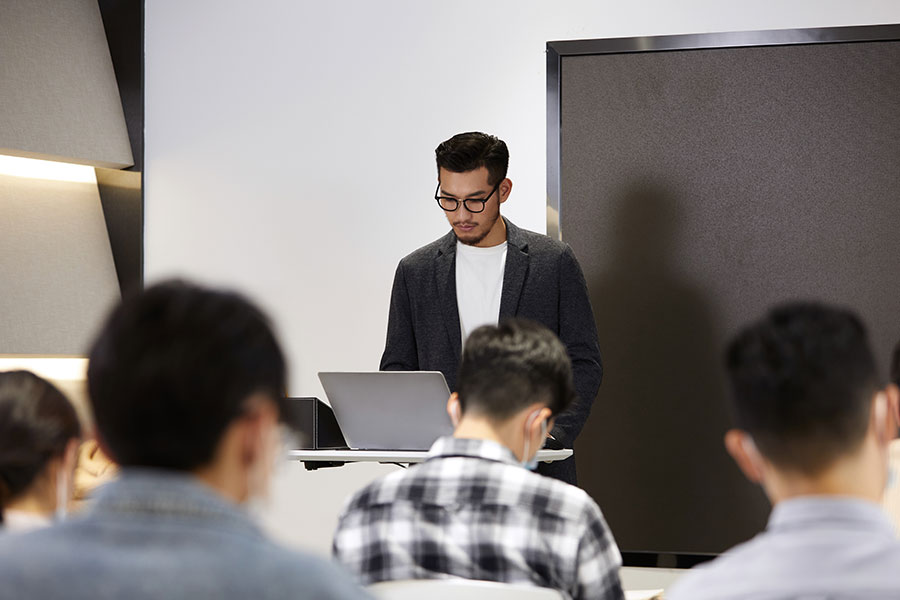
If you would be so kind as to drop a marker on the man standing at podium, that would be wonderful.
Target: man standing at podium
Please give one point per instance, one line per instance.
(484, 270)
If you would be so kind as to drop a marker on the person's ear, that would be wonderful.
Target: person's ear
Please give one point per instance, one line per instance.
(504, 189)
(744, 452)
(453, 409)
(893, 400)
(882, 418)
(537, 420)
(250, 436)
(260, 415)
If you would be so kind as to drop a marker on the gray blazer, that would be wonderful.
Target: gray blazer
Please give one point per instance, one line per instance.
(542, 282)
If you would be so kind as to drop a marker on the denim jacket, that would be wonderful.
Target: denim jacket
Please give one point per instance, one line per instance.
(159, 534)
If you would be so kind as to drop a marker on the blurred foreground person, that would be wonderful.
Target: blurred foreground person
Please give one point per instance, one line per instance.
(39, 437)
(186, 386)
(813, 428)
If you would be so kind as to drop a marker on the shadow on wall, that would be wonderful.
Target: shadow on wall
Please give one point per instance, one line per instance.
(652, 453)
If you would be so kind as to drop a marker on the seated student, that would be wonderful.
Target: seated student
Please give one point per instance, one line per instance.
(39, 436)
(814, 426)
(474, 509)
(186, 386)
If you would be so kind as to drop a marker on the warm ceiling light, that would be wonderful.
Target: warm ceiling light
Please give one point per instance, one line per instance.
(33, 168)
(56, 368)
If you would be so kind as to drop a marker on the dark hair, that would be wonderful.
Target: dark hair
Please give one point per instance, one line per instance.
(895, 365)
(36, 424)
(469, 151)
(173, 366)
(506, 367)
(802, 382)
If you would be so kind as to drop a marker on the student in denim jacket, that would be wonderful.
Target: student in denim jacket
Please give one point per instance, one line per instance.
(186, 386)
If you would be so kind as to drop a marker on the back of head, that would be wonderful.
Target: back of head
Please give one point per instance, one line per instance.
(507, 367)
(895, 365)
(173, 367)
(36, 424)
(802, 382)
(469, 151)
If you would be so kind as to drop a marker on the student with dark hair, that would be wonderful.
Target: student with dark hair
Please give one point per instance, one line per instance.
(39, 437)
(186, 386)
(813, 427)
(484, 270)
(474, 509)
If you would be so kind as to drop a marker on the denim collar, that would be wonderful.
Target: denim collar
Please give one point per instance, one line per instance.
(140, 491)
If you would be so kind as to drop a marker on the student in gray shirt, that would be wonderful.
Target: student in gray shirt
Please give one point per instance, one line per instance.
(813, 427)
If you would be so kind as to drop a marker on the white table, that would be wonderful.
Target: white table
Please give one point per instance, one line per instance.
(315, 459)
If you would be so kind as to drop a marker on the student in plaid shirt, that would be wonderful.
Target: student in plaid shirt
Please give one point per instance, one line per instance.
(474, 509)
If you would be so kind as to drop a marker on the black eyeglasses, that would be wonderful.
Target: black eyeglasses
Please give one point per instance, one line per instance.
(473, 205)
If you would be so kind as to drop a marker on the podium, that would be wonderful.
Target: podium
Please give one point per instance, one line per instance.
(318, 459)
(322, 444)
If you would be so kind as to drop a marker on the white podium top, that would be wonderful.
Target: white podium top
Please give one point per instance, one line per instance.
(395, 456)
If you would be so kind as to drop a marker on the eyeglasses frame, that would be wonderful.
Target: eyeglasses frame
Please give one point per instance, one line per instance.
(464, 202)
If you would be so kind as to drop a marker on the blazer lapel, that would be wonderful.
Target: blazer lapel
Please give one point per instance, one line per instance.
(445, 276)
(514, 272)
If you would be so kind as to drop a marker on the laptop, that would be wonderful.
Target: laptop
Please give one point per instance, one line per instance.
(389, 410)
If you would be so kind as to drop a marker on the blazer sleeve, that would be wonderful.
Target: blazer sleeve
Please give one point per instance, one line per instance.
(400, 353)
(578, 332)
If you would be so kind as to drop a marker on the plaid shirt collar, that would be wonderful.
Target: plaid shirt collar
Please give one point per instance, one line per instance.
(473, 448)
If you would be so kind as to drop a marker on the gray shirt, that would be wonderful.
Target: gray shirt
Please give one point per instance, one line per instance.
(815, 547)
(157, 534)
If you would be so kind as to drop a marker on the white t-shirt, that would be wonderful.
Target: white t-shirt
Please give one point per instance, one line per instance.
(479, 285)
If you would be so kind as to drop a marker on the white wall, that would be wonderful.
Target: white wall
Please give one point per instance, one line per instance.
(289, 149)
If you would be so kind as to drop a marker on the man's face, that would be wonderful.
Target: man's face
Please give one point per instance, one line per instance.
(475, 229)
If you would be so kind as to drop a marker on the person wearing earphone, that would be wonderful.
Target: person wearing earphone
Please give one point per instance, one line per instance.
(475, 509)
(813, 424)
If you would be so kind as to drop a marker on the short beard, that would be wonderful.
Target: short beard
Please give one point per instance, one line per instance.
(484, 234)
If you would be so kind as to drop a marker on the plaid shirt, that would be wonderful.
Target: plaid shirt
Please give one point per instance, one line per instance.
(471, 511)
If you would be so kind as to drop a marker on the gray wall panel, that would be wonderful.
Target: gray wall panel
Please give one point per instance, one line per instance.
(57, 277)
(57, 85)
(699, 187)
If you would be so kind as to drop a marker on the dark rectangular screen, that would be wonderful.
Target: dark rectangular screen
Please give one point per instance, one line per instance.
(699, 187)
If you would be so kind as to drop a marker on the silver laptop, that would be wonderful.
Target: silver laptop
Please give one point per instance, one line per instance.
(389, 410)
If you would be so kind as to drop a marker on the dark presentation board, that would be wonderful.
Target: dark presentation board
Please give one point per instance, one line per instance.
(700, 180)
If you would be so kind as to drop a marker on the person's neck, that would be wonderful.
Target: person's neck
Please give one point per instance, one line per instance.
(475, 427)
(495, 237)
(857, 476)
(223, 480)
(33, 503)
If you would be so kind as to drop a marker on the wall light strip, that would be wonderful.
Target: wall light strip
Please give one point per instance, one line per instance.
(66, 369)
(33, 168)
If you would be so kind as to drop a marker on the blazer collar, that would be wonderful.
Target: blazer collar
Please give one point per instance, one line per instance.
(514, 275)
(447, 244)
(445, 278)
(515, 271)
(515, 237)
